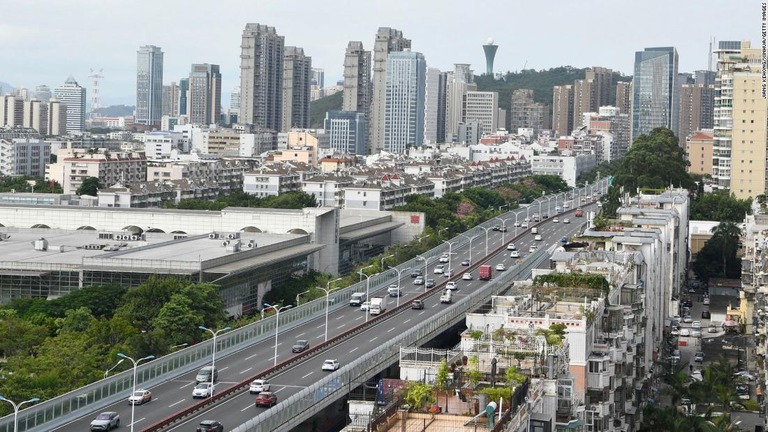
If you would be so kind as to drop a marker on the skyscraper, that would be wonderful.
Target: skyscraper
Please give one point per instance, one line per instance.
(318, 77)
(171, 99)
(57, 117)
(204, 98)
(388, 40)
(490, 54)
(696, 108)
(655, 99)
(261, 77)
(73, 96)
(584, 100)
(434, 107)
(36, 115)
(458, 83)
(43, 92)
(297, 82)
(404, 112)
(624, 97)
(183, 95)
(357, 79)
(527, 113)
(234, 99)
(562, 110)
(602, 79)
(149, 85)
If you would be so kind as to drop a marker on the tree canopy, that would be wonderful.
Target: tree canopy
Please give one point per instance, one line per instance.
(719, 205)
(290, 200)
(90, 186)
(718, 257)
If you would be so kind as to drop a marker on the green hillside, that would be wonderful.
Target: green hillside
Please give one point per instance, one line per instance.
(318, 108)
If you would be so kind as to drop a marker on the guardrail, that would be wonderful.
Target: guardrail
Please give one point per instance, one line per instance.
(55, 412)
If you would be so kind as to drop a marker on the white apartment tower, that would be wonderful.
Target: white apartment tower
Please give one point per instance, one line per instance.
(261, 77)
(482, 107)
(149, 85)
(388, 40)
(73, 96)
(459, 82)
(404, 113)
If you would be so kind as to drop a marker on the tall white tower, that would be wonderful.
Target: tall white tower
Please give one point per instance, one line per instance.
(95, 76)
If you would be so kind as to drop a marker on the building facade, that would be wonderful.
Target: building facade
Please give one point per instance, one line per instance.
(73, 96)
(655, 96)
(149, 85)
(562, 109)
(624, 97)
(357, 79)
(347, 131)
(388, 40)
(261, 77)
(204, 97)
(696, 108)
(171, 99)
(297, 79)
(482, 107)
(24, 157)
(404, 109)
(698, 149)
(584, 100)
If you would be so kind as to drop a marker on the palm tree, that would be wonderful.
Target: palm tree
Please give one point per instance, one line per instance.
(728, 234)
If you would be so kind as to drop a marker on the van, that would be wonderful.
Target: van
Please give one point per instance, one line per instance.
(446, 297)
(535, 230)
(204, 375)
(357, 299)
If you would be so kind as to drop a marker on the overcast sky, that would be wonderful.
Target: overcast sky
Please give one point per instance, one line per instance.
(44, 41)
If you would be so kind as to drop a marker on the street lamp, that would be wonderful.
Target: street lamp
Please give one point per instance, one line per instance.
(450, 255)
(399, 274)
(16, 410)
(327, 290)
(361, 271)
(423, 237)
(503, 229)
(277, 323)
(106, 372)
(426, 263)
(297, 296)
(177, 346)
(486, 237)
(213, 356)
(382, 261)
(135, 367)
(470, 245)
(367, 291)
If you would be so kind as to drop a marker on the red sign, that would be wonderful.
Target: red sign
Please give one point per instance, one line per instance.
(415, 219)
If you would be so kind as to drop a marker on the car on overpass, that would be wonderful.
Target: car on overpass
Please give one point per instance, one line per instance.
(511, 247)
(430, 283)
(416, 273)
(300, 345)
(419, 280)
(467, 276)
(210, 426)
(202, 390)
(266, 399)
(258, 386)
(330, 365)
(106, 421)
(140, 397)
(417, 304)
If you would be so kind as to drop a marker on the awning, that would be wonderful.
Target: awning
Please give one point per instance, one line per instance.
(267, 259)
(370, 231)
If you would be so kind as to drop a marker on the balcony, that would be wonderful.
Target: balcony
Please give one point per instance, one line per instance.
(599, 380)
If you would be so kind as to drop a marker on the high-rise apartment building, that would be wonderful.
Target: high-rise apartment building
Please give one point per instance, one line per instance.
(602, 79)
(297, 82)
(696, 108)
(482, 107)
(739, 150)
(584, 100)
(705, 77)
(36, 115)
(405, 86)
(527, 113)
(149, 85)
(73, 96)
(655, 92)
(261, 77)
(458, 83)
(183, 95)
(11, 111)
(171, 99)
(234, 99)
(347, 132)
(357, 78)
(388, 40)
(204, 97)
(624, 96)
(562, 110)
(57, 118)
(434, 107)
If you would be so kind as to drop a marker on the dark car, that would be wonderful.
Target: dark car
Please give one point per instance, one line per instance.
(300, 346)
(210, 426)
(430, 283)
(266, 399)
(106, 421)
(416, 273)
(706, 315)
(417, 304)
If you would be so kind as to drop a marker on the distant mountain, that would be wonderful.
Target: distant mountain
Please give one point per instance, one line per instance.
(318, 108)
(5, 87)
(115, 111)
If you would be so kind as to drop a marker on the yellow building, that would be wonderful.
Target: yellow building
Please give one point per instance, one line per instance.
(698, 147)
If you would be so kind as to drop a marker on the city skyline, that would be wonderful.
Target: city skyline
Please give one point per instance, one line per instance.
(46, 50)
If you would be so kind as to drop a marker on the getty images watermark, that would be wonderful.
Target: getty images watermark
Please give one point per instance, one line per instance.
(764, 57)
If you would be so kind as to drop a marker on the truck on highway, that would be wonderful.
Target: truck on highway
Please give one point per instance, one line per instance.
(378, 305)
(579, 213)
(357, 299)
(484, 272)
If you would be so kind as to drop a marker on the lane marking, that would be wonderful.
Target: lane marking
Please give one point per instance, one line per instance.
(187, 385)
(392, 329)
(176, 403)
(300, 335)
(307, 374)
(250, 357)
(406, 321)
(224, 368)
(374, 339)
(340, 326)
(246, 370)
(354, 349)
(141, 419)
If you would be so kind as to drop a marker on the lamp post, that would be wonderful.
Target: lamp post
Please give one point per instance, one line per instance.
(503, 229)
(382, 261)
(367, 292)
(106, 372)
(470, 245)
(135, 367)
(178, 346)
(450, 255)
(213, 353)
(361, 271)
(16, 410)
(299, 294)
(423, 237)
(486, 237)
(327, 290)
(399, 274)
(277, 323)
(426, 263)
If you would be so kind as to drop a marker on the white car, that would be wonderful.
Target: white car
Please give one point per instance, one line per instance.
(258, 386)
(599, 204)
(439, 269)
(706, 300)
(511, 246)
(524, 225)
(451, 285)
(685, 332)
(500, 267)
(467, 276)
(330, 365)
(687, 319)
(202, 390)
(538, 237)
(555, 220)
(744, 374)
(444, 258)
(365, 306)
(675, 332)
(566, 221)
(514, 254)
(696, 325)
(517, 224)
(532, 249)
(696, 333)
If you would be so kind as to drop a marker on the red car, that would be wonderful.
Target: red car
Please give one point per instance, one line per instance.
(266, 399)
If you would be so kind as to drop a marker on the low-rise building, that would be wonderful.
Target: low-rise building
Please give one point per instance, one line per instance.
(75, 165)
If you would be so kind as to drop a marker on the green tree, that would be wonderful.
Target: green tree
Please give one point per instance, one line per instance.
(514, 377)
(179, 319)
(728, 234)
(90, 186)
(719, 205)
(76, 321)
(142, 304)
(19, 337)
(441, 379)
(416, 394)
